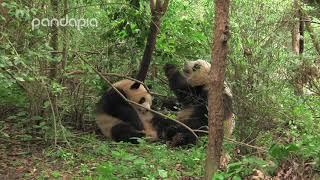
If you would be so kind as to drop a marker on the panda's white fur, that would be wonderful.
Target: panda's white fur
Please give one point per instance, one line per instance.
(196, 74)
(123, 121)
(106, 122)
(135, 95)
(200, 76)
(144, 114)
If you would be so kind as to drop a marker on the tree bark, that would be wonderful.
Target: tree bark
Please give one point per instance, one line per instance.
(54, 43)
(312, 34)
(295, 38)
(298, 30)
(54, 40)
(301, 32)
(157, 11)
(216, 86)
(65, 37)
(3, 11)
(298, 42)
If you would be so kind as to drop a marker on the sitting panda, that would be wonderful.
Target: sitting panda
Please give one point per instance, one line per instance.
(121, 121)
(191, 89)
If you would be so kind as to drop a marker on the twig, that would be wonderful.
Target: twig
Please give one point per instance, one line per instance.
(84, 52)
(92, 5)
(157, 94)
(122, 76)
(312, 34)
(236, 142)
(19, 153)
(14, 78)
(127, 77)
(54, 117)
(132, 102)
(245, 144)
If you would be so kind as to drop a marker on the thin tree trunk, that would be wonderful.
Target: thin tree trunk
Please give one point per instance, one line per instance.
(54, 40)
(54, 67)
(157, 11)
(65, 38)
(217, 74)
(298, 30)
(3, 11)
(295, 38)
(298, 42)
(312, 34)
(301, 32)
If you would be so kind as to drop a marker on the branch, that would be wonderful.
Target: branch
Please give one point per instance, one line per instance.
(164, 6)
(158, 7)
(236, 142)
(91, 5)
(131, 102)
(79, 72)
(309, 28)
(127, 77)
(152, 6)
(19, 83)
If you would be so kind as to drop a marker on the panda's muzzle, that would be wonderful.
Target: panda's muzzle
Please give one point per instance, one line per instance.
(144, 109)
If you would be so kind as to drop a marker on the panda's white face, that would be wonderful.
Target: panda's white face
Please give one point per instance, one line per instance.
(197, 72)
(144, 100)
(136, 93)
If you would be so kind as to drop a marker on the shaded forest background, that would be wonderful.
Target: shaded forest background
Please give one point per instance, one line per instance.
(48, 93)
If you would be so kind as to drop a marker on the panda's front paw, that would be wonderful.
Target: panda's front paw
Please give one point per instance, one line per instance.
(169, 69)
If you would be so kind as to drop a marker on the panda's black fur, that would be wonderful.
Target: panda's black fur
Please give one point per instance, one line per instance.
(112, 104)
(185, 93)
(121, 121)
(191, 90)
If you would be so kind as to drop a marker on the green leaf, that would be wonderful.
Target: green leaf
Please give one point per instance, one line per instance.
(22, 113)
(292, 147)
(55, 174)
(278, 151)
(36, 118)
(20, 79)
(236, 177)
(5, 134)
(219, 176)
(163, 173)
(106, 170)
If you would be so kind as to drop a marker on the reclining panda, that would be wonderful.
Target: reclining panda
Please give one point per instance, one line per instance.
(191, 90)
(121, 121)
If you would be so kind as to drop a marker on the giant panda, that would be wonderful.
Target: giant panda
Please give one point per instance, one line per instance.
(191, 89)
(121, 121)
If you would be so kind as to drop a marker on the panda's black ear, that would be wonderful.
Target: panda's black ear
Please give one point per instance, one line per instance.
(135, 85)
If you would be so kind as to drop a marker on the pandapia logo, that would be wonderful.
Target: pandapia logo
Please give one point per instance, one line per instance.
(72, 22)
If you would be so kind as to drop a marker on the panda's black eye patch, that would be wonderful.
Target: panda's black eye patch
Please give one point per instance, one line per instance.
(142, 100)
(196, 67)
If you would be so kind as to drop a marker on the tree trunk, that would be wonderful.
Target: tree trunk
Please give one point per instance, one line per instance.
(3, 11)
(298, 30)
(298, 42)
(54, 67)
(301, 32)
(295, 38)
(311, 32)
(217, 73)
(54, 40)
(65, 38)
(157, 11)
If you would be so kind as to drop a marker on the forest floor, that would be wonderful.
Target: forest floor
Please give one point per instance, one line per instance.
(87, 156)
